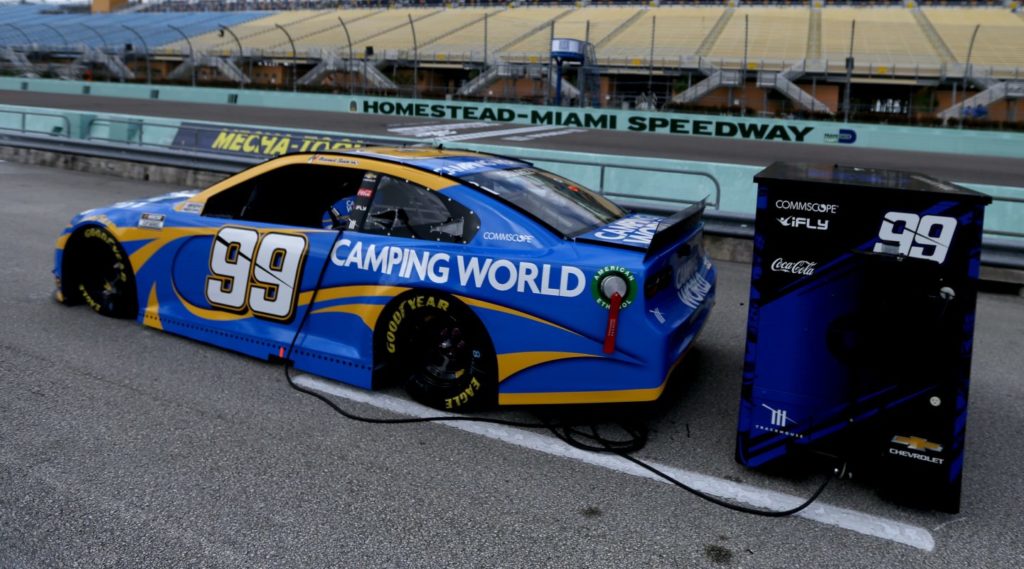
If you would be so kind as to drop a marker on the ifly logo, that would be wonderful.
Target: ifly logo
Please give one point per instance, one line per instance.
(804, 222)
(780, 417)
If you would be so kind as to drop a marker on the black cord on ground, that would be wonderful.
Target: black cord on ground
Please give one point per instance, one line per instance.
(636, 435)
(573, 436)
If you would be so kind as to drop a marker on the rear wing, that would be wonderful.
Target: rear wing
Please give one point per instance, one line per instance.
(675, 227)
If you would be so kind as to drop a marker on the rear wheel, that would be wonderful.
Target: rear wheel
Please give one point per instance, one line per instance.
(101, 275)
(438, 348)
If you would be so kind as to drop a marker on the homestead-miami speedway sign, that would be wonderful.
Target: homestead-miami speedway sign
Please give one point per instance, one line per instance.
(665, 123)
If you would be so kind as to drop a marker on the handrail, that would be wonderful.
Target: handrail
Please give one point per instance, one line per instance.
(65, 131)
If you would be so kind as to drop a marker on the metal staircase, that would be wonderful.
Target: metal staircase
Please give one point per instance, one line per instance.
(374, 77)
(182, 71)
(485, 79)
(17, 59)
(330, 63)
(71, 71)
(715, 78)
(113, 63)
(568, 89)
(227, 68)
(993, 91)
(785, 83)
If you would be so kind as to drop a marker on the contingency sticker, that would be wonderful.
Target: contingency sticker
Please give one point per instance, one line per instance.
(152, 220)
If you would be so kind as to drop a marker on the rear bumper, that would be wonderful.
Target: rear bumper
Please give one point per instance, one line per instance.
(655, 375)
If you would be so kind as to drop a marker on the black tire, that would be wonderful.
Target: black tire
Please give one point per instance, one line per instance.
(439, 350)
(100, 274)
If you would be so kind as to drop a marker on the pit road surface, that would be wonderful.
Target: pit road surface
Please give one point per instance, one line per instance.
(956, 168)
(123, 446)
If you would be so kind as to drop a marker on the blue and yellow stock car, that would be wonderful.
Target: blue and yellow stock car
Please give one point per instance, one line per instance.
(474, 279)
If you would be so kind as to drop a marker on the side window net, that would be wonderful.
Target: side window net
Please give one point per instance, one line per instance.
(403, 209)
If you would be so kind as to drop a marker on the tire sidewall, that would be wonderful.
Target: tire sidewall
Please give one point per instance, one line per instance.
(95, 240)
(397, 342)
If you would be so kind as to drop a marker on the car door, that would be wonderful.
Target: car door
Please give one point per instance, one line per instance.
(245, 283)
(402, 236)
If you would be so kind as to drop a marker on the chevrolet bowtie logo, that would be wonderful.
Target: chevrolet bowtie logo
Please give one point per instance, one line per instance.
(917, 443)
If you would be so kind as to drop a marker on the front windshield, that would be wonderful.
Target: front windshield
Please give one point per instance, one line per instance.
(569, 208)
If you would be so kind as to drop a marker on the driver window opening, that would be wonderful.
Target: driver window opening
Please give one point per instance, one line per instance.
(303, 195)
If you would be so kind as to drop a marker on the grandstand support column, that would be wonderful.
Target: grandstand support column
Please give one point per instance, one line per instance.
(743, 74)
(967, 72)
(103, 40)
(63, 38)
(28, 40)
(294, 54)
(485, 39)
(238, 42)
(106, 46)
(149, 71)
(547, 84)
(191, 52)
(415, 60)
(351, 60)
(849, 73)
(580, 73)
(650, 58)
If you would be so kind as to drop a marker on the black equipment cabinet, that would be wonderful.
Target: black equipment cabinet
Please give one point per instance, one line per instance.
(860, 325)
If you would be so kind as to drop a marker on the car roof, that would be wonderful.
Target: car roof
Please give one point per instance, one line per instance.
(421, 164)
(439, 160)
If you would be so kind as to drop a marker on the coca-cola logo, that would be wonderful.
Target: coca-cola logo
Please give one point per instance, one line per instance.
(805, 268)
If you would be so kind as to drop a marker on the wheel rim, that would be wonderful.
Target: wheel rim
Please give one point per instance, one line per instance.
(445, 355)
(103, 283)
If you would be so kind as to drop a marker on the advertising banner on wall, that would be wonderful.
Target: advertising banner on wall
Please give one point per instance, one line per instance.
(258, 141)
(741, 128)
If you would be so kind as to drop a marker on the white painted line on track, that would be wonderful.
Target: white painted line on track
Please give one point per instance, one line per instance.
(844, 518)
(505, 132)
(529, 137)
(439, 129)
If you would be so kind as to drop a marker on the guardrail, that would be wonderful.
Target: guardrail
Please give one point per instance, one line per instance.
(24, 116)
(996, 252)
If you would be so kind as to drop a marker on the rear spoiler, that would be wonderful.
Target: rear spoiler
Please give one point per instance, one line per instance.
(673, 228)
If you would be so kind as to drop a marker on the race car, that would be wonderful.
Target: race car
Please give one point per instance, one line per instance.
(472, 279)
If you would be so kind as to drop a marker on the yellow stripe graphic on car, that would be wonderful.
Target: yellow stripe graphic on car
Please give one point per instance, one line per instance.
(511, 364)
(498, 308)
(358, 290)
(569, 397)
(151, 316)
(369, 313)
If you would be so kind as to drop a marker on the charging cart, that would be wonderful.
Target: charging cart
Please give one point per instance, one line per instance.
(860, 326)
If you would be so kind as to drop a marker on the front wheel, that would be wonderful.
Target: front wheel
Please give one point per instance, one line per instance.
(101, 275)
(439, 348)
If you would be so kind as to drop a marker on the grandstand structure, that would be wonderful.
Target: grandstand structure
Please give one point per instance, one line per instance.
(938, 61)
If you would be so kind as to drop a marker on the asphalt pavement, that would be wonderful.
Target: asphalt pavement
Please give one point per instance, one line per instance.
(122, 446)
(953, 167)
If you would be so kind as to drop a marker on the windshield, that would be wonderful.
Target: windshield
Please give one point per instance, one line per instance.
(569, 208)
